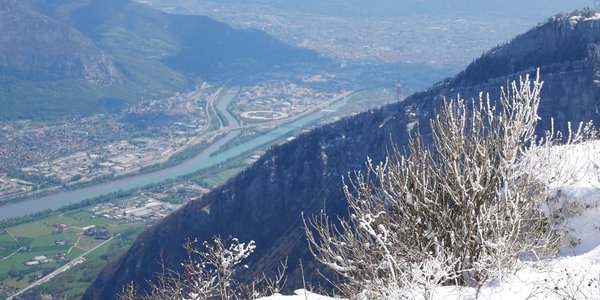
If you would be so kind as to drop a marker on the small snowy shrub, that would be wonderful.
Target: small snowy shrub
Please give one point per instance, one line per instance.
(465, 201)
(208, 273)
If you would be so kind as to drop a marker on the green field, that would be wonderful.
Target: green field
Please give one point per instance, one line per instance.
(34, 229)
(8, 245)
(41, 239)
(213, 180)
(210, 182)
(227, 174)
(73, 283)
(74, 252)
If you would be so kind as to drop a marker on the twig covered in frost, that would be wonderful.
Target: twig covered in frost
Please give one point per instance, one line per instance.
(465, 201)
(209, 273)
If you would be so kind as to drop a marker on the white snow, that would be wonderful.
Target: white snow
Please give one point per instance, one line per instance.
(595, 17)
(574, 275)
(300, 294)
(574, 20)
(577, 193)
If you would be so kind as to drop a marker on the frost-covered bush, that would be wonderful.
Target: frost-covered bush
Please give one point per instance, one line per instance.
(209, 273)
(462, 209)
(573, 286)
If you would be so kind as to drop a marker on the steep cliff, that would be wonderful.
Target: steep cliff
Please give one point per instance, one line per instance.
(264, 202)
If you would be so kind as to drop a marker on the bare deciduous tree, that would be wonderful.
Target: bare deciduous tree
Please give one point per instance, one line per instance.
(209, 273)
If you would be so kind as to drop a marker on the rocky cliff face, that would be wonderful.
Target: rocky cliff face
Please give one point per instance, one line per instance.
(265, 202)
(35, 47)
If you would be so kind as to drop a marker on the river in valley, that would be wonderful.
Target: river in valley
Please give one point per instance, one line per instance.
(203, 160)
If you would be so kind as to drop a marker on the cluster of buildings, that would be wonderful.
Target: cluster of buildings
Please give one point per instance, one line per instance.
(149, 206)
(176, 119)
(61, 242)
(279, 96)
(98, 233)
(317, 78)
(138, 208)
(43, 259)
(10, 187)
(6, 291)
(22, 147)
(60, 227)
(117, 158)
(91, 147)
(256, 155)
(181, 114)
(39, 260)
(187, 191)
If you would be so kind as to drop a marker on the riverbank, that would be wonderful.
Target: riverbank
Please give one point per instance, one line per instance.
(205, 159)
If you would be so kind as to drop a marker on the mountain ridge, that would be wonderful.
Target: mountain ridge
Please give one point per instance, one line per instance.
(191, 48)
(35, 46)
(264, 203)
(146, 53)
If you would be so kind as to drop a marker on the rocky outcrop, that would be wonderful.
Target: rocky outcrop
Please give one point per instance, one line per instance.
(35, 47)
(264, 203)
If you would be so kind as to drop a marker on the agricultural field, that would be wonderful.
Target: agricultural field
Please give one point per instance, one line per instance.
(74, 282)
(8, 245)
(221, 177)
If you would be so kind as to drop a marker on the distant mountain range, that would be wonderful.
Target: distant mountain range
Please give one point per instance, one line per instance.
(37, 47)
(64, 57)
(264, 203)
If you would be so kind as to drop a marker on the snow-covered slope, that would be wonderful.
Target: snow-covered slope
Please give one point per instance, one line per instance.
(300, 294)
(574, 206)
